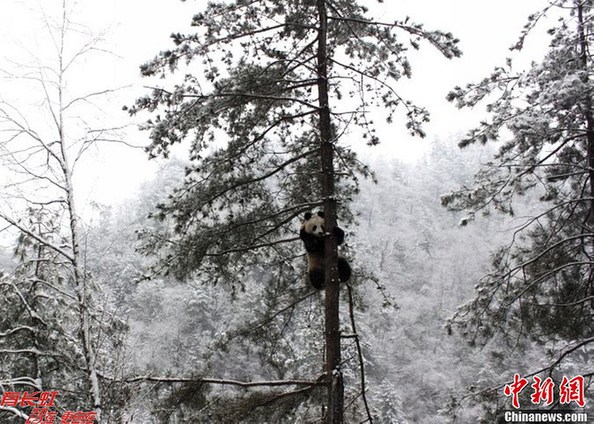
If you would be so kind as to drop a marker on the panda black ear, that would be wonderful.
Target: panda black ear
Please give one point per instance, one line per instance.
(321, 214)
(307, 215)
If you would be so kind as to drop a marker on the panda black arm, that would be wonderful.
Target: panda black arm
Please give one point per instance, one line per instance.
(312, 243)
(303, 235)
(310, 239)
(338, 235)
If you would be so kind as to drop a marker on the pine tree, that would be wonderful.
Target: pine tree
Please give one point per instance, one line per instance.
(36, 350)
(270, 88)
(540, 287)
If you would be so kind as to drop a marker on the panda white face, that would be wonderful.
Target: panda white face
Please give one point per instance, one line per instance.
(315, 225)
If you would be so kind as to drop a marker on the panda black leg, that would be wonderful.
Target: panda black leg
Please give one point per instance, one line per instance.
(344, 270)
(317, 277)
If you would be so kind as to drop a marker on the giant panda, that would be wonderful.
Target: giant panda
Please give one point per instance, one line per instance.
(312, 233)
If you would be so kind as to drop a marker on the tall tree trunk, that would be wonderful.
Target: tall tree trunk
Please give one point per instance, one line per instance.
(334, 414)
(589, 118)
(80, 285)
(79, 274)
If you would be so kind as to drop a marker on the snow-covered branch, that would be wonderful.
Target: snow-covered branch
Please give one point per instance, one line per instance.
(223, 382)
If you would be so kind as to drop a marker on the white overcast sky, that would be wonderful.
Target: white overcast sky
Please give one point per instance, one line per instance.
(135, 30)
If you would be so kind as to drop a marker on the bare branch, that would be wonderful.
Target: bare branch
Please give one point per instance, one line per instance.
(16, 329)
(86, 97)
(271, 383)
(270, 318)
(14, 411)
(25, 128)
(23, 381)
(359, 353)
(31, 311)
(31, 351)
(40, 239)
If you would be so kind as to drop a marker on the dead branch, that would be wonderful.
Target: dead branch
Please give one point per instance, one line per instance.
(359, 353)
(172, 380)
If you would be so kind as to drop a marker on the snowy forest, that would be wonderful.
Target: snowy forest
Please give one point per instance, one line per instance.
(183, 295)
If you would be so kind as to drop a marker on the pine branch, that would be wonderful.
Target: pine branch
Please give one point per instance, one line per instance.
(252, 96)
(292, 305)
(261, 177)
(549, 368)
(251, 247)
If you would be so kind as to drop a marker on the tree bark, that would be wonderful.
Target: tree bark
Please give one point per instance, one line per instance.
(589, 118)
(80, 286)
(334, 414)
(79, 274)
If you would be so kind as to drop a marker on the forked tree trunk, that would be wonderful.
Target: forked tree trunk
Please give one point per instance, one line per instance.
(334, 414)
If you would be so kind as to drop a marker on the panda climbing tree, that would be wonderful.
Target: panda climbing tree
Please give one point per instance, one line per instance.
(313, 235)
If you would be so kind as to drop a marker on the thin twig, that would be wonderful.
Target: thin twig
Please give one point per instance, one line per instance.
(359, 353)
